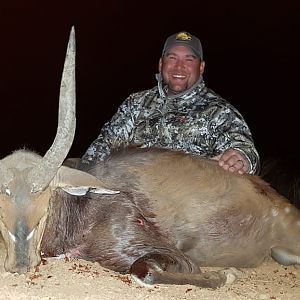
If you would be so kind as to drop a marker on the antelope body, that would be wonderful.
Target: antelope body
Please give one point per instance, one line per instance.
(158, 214)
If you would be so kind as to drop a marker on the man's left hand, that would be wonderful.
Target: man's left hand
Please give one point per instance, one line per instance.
(233, 161)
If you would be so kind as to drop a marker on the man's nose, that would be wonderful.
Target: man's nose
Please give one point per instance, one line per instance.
(179, 64)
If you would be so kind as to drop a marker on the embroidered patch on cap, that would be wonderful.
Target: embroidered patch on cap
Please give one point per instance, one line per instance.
(185, 39)
(183, 36)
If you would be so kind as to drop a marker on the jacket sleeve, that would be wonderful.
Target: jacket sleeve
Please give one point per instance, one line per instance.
(114, 134)
(229, 130)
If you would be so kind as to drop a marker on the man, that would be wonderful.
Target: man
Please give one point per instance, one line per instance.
(180, 113)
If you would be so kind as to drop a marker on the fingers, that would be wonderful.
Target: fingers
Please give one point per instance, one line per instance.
(234, 161)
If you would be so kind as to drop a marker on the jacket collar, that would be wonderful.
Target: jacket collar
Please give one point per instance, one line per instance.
(196, 87)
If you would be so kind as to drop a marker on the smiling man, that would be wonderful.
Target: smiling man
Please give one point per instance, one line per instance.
(180, 113)
(181, 64)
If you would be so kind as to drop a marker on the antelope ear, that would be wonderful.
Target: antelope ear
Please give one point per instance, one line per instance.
(79, 183)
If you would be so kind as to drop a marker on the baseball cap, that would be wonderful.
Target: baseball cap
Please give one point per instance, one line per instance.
(186, 39)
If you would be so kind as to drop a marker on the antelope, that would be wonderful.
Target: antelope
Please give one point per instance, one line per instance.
(157, 214)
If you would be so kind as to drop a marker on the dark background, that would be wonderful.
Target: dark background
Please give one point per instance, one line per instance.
(251, 49)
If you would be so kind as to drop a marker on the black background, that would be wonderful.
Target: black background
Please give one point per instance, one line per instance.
(251, 49)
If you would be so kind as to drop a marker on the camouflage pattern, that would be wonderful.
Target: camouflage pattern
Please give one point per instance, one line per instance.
(196, 121)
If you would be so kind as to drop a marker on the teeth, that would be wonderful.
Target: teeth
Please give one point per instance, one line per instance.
(179, 76)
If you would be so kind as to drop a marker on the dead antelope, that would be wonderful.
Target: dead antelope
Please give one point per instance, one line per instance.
(157, 214)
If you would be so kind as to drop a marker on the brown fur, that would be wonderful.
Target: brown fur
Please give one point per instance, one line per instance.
(175, 213)
(210, 213)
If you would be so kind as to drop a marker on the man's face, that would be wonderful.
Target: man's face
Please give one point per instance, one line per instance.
(180, 68)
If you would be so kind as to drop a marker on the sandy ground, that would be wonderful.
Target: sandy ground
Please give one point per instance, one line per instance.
(78, 279)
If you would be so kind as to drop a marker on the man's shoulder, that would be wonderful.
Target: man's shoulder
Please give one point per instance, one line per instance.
(216, 100)
(213, 97)
(137, 99)
(153, 90)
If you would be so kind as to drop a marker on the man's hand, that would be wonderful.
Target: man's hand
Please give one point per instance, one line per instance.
(233, 161)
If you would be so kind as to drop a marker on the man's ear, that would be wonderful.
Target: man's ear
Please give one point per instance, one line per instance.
(202, 67)
(160, 65)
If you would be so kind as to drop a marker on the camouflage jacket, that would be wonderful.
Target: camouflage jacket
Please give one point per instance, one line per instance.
(196, 121)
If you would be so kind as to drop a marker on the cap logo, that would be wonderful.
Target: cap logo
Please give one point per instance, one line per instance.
(183, 36)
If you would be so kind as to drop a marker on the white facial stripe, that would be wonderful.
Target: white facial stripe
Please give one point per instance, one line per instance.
(30, 235)
(12, 236)
(83, 190)
(7, 191)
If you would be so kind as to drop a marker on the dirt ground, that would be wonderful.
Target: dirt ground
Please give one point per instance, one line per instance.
(77, 279)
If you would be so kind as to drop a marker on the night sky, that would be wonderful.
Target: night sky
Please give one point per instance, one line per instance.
(251, 49)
